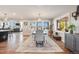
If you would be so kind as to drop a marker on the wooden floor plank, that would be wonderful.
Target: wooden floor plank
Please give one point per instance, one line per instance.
(4, 49)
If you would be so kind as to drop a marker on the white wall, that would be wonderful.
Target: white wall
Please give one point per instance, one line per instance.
(61, 33)
(76, 23)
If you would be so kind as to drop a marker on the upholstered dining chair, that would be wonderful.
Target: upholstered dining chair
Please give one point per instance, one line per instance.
(39, 38)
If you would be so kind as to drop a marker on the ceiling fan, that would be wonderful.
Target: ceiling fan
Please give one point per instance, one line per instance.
(76, 14)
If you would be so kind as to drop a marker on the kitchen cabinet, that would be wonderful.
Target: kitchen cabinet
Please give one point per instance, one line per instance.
(3, 35)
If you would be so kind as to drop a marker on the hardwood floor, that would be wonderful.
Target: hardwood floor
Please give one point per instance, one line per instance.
(62, 45)
(4, 49)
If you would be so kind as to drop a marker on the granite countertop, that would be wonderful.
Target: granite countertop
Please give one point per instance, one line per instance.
(8, 30)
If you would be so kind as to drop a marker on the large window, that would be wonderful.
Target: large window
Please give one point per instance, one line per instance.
(34, 24)
(40, 24)
(46, 24)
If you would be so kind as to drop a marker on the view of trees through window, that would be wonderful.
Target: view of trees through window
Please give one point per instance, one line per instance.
(41, 24)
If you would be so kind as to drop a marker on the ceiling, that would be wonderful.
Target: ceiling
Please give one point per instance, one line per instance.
(32, 11)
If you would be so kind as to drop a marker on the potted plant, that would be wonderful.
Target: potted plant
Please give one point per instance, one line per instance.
(72, 28)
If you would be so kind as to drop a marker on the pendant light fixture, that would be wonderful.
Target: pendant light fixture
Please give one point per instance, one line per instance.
(39, 18)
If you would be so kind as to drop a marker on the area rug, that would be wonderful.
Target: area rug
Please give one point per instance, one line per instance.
(49, 46)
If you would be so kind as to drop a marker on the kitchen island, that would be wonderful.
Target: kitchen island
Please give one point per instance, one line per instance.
(4, 35)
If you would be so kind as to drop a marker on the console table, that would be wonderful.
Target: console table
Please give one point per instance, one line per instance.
(57, 38)
(72, 42)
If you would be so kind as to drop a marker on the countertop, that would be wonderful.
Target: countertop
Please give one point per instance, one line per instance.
(4, 30)
(8, 30)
